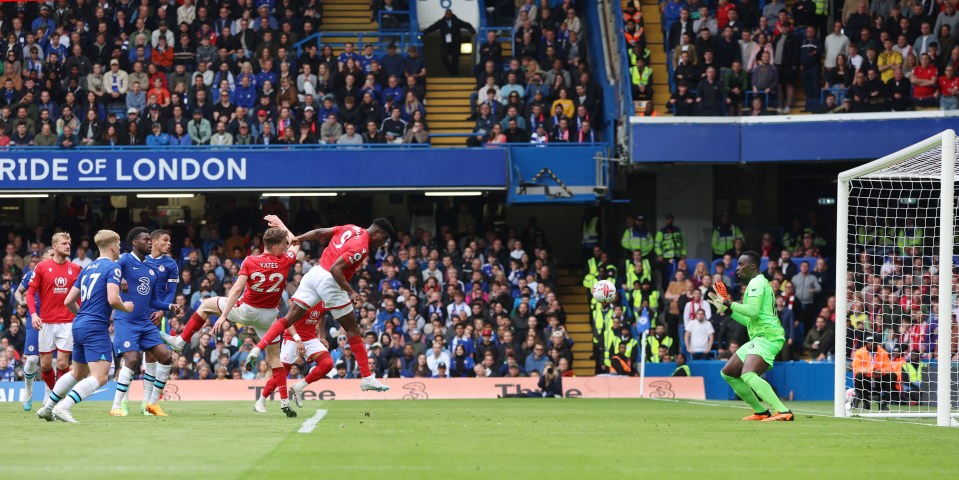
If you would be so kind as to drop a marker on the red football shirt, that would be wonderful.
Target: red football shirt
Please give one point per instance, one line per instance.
(349, 242)
(926, 73)
(307, 328)
(53, 280)
(267, 278)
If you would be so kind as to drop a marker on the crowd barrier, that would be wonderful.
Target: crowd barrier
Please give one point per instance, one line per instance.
(400, 389)
(803, 380)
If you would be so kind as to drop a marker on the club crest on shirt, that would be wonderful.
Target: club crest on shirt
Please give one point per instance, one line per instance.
(162, 268)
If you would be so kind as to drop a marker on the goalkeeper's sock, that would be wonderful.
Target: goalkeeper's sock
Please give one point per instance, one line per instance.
(764, 391)
(274, 331)
(742, 389)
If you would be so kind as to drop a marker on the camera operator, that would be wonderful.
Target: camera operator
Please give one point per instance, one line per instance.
(551, 382)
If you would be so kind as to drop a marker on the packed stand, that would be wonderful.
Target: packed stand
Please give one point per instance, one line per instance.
(211, 73)
(740, 59)
(663, 293)
(454, 297)
(544, 93)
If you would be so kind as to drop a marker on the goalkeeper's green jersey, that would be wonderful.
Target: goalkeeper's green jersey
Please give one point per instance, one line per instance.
(758, 311)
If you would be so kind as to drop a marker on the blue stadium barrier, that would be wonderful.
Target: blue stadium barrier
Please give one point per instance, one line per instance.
(573, 165)
(806, 381)
(834, 137)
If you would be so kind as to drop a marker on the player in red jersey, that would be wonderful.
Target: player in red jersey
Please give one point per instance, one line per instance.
(328, 282)
(266, 274)
(302, 337)
(53, 278)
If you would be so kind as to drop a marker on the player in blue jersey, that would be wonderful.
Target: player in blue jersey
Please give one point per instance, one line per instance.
(168, 276)
(98, 289)
(136, 331)
(31, 354)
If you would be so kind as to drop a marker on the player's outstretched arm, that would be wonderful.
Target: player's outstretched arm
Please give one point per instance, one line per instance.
(321, 234)
(231, 299)
(274, 222)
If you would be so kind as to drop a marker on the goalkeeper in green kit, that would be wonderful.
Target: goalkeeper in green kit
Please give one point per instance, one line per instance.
(757, 313)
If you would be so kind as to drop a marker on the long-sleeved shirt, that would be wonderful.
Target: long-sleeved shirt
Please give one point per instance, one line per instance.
(807, 287)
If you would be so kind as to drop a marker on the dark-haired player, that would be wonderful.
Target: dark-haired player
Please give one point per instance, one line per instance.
(757, 313)
(329, 283)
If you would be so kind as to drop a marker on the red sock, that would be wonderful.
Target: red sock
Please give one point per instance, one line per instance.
(275, 331)
(279, 376)
(194, 325)
(62, 372)
(359, 351)
(324, 363)
(270, 386)
(49, 377)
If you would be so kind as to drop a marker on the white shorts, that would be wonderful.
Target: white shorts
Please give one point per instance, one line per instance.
(318, 286)
(288, 350)
(55, 336)
(259, 319)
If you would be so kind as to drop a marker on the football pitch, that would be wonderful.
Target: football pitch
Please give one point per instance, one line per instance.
(452, 439)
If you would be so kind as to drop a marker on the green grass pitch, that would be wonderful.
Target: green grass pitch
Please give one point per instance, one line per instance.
(453, 439)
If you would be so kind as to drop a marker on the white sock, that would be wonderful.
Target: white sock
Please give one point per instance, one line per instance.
(82, 390)
(123, 385)
(284, 402)
(149, 378)
(301, 385)
(60, 389)
(162, 375)
(30, 366)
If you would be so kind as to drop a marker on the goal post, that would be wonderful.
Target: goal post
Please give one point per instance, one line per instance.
(895, 244)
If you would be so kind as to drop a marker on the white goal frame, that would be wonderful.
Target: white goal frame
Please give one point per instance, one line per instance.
(946, 142)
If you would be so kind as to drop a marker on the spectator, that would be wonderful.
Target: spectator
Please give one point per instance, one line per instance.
(699, 336)
(819, 341)
(350, 137)
(642, 81)
(924, 80)
(682, 103)
(710, 94)
(948, 89)
(786, 57)
(416, 134)
(451, 31)
(222, 137)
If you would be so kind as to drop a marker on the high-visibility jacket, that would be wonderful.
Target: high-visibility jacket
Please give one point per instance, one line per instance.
(655, 343)
(682, 371)
(724, 237)
(632, 57)
(913, 371)
(602, 324)
(631, 344)
(867, 236)
(592, 273)
(642, 77)
(636, 301)
(908, 237)
(822, 7)
(866, 364)
(590, 232)
(638, 240)
(632, 276)
(670, 243)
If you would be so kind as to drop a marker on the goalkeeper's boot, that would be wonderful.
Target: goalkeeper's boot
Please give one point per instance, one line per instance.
(175, 343)
(155, 410)
(252, 359)
(45, 413)
(371, 383)
(758, 416)
(260, 405)
(786, 416)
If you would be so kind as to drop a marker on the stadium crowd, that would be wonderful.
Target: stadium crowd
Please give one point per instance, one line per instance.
(455, 296)
(660, 287)
(745, 57)
(544, 92)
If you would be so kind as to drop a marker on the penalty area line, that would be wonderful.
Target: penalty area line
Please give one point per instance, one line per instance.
(311, 422)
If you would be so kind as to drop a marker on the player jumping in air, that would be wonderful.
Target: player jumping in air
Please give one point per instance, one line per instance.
(259, 306)
(135, 331)
(757, 313)
(98, 288)
(52, 279)
(304, 336)
(329, 283)
(31, 353)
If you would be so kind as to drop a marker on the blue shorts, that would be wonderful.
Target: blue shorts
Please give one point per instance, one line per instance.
(33, 338)
(92, 344)
(134, 338)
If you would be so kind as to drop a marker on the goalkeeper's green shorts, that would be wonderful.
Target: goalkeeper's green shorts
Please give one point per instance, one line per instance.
(765, 348)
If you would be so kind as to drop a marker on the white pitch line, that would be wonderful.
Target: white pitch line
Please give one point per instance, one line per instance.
(311, 422)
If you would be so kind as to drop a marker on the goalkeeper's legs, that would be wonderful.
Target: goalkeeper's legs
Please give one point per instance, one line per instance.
(731, 373)
(753, 367)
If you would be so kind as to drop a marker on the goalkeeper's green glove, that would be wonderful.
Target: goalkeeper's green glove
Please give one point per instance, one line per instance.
(719, 303)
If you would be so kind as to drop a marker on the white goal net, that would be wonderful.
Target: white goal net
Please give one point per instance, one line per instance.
(896, 245)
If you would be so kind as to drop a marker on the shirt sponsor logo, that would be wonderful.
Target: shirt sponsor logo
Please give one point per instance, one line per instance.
(60, 285)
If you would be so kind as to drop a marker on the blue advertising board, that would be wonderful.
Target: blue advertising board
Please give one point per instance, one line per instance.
(240, 169)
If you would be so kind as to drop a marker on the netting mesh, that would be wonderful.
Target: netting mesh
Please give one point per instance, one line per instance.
(892, 289)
